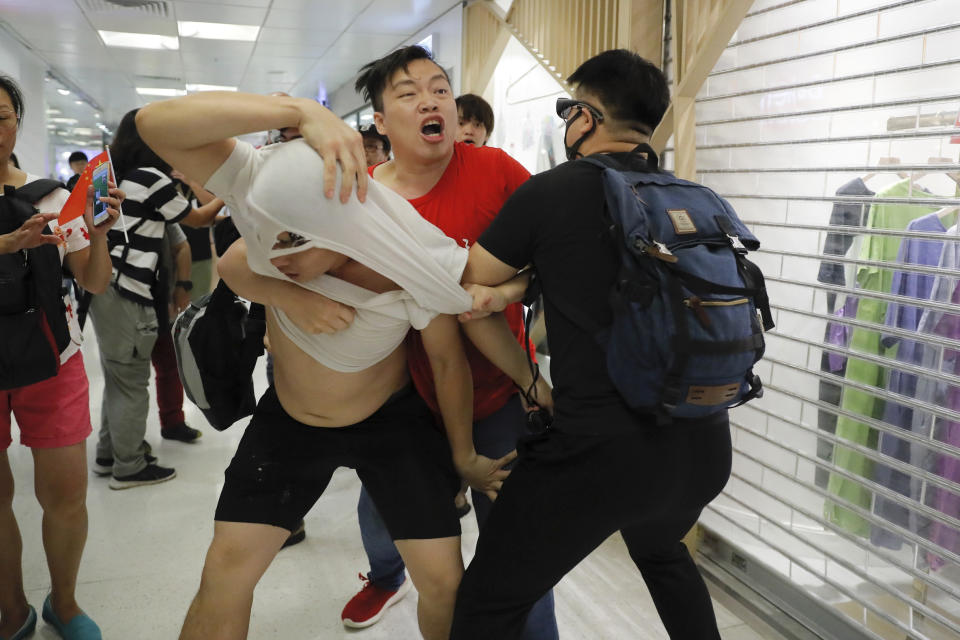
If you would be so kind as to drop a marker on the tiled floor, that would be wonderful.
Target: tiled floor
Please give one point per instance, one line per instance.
(146, 547)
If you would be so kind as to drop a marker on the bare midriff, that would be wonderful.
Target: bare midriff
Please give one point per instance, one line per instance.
(318, 396)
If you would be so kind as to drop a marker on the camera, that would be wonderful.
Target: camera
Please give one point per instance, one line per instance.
(538, 420)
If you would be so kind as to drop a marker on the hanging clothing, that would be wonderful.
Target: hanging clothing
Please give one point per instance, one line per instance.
(847, 214)
(903, 316)
(946, 288)
(884, 248)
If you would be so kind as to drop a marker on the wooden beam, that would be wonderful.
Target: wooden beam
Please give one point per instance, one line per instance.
(700, 63)
(485, 74)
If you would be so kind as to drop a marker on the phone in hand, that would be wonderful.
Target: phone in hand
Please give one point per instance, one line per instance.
(101, 175)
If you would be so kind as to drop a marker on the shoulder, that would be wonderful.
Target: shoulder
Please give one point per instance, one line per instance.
(53, 201)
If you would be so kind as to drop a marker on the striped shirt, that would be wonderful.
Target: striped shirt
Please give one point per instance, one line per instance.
(152, 203)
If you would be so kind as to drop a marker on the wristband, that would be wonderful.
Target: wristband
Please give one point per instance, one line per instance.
(186, 285)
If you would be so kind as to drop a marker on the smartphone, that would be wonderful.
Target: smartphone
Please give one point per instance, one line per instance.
(101, 174)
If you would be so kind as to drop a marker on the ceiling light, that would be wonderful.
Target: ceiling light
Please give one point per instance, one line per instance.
(64, 120)
(63, 92)
(159, 91)
(78, 102)
(53, 112)
(209, 87)
(218, 31)
(139, 40)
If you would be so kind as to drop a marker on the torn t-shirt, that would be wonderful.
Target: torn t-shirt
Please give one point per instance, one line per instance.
(280, 188)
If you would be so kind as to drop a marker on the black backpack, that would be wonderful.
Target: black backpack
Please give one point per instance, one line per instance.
(33, 323)
(218, 341)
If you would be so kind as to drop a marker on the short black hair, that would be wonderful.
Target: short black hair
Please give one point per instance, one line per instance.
(13, 159)
(10, 85)
(470, 106)
(77, 156)
(632, 89)
(130, 152)
(370, 131)
(374, 76)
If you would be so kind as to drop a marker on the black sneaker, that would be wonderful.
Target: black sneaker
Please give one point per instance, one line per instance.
(104, 466)
(297, 536)
(151, 474)
(182, 432)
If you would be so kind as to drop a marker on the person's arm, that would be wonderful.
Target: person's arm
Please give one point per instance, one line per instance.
(484, 268)
(308, 310)
(487, 300)
(195, 133)
(182, 260)
(494, 339)
(204, 215)
(454, 385)
(91, 266)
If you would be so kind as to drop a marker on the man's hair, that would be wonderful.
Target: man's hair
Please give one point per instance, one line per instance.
(130, 152)
(10, 85)
(374, 76)
(473, 107)
(633, 90)
(77, 156)
(370, 131)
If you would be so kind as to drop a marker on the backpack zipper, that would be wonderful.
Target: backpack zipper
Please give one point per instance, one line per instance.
(696, 304)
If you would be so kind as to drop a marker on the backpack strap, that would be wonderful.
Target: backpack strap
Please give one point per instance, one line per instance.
(38, 189)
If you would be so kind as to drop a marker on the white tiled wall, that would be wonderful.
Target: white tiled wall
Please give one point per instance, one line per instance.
(797, 83)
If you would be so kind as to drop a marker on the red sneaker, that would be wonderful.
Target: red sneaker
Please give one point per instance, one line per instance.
(367, 607)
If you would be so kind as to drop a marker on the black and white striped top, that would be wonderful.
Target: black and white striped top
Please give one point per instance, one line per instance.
(152, 203)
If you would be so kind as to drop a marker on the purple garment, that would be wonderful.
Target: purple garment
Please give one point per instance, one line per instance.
(839, 333)
(904, 316)
(947, 431)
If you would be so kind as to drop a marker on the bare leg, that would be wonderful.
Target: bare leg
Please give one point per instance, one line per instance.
(435, 566)
(60, 481)
(238, 556)
(13, 601)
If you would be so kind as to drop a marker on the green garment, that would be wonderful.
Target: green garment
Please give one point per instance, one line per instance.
(876, 248)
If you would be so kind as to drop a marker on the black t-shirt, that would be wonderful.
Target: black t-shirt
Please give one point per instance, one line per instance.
(555, 221)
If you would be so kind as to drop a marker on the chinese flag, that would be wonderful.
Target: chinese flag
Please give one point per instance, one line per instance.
(77, 202)
(955, 139)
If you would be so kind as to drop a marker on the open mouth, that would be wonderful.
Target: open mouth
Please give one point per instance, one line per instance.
(432, 129)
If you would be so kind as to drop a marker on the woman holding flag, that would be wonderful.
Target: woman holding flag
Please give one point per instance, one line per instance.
(54, 414)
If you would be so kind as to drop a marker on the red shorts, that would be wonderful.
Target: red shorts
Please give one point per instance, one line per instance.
(51, 413)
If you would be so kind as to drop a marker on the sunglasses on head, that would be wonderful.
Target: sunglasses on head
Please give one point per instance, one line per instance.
(566, 105)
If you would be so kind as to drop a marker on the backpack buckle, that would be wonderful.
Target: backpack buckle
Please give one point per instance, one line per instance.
(736, 244)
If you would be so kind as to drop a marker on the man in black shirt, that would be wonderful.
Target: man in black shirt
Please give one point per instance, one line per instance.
(601, 467)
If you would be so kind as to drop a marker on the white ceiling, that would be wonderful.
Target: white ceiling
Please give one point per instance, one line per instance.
(303, 45)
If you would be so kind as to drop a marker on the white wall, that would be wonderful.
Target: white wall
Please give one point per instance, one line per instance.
(32, 145)
(447, 34)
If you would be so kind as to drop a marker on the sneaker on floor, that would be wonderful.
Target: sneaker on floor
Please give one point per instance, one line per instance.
(367, 607)
(296, 536)
(104, 466)
(150, 474)
(182, 432)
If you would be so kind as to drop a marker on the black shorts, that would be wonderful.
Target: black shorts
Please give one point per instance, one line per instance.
(283, 466)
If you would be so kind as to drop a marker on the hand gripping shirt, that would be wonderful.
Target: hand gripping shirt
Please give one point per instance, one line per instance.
(280, 188)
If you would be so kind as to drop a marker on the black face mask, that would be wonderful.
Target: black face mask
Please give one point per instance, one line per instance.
(573, 151)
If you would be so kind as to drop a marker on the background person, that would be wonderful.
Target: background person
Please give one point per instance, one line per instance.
(77, 162)
(475, 120)
(123, 316)
(54, 414)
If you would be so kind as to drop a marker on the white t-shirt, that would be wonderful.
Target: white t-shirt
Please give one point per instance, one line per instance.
(75, 238)
(280, 188)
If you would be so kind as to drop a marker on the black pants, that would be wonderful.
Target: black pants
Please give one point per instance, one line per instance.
(568, 494)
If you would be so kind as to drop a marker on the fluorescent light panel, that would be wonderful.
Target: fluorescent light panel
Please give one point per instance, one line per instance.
(218, 31)
(160, 91)
(139, 40)
(209, 87)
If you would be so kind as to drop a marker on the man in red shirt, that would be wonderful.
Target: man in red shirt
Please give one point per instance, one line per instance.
(460, 189)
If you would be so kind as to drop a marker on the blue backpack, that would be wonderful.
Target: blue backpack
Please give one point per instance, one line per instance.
(689, 309)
